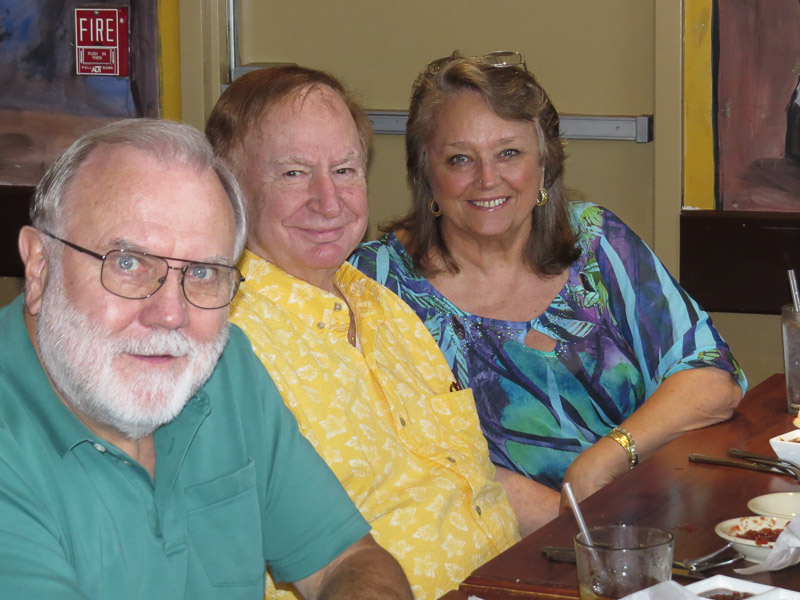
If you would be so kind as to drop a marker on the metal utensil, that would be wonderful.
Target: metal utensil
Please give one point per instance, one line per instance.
(706, 557)
(767, 460)
(703, 567)
(706, 562)
(775, 469)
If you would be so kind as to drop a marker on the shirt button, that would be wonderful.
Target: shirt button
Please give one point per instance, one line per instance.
(99, 447)
(451, 459)
(478, 510)
(402, 422)
(320, 325)
(337, 306)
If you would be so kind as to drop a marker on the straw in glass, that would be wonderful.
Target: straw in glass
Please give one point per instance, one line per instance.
(578, 514)
(595, 560)
(793, 288)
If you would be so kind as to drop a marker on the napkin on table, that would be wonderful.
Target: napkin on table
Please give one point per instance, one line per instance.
(785, 552)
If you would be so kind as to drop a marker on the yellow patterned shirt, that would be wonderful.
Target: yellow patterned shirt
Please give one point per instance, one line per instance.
(408, 450)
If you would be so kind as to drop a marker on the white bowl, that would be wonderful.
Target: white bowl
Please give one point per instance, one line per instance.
(785, 448)
(778, 594)
(728, 584)
(784, 504)
(731, 529)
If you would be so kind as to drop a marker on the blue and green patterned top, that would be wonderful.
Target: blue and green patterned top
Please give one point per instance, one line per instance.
(621, 323)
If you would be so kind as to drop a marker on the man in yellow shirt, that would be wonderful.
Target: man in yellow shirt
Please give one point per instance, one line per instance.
(365, 379)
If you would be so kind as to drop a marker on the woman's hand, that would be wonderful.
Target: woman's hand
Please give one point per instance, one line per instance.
(684, 401)
(534, 503)
(594, 468)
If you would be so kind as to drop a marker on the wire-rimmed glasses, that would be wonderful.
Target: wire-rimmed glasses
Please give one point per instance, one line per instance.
(138, 275)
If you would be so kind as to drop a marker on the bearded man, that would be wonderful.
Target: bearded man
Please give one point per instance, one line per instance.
(144, 452)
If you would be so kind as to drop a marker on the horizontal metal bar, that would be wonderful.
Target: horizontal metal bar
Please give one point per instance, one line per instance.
(633, 129)
(391, 122)
(573, 127)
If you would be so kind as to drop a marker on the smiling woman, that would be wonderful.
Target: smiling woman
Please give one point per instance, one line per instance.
(583, 353)
(485, 173)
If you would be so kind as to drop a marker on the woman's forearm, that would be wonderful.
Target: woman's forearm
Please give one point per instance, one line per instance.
(534, 503)
(684, 401)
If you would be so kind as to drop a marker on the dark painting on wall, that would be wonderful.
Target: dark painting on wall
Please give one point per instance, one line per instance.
(44, 104)
(757, 121)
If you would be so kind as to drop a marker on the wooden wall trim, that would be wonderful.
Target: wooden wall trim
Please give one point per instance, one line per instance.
(736, 261)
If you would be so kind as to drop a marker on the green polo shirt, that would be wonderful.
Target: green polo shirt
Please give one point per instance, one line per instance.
(236, 486)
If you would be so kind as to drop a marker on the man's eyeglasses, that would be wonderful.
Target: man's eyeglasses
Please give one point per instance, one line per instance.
(139, 275)
(499, 59)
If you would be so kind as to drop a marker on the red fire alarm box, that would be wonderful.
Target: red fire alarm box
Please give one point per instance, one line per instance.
(101, 41)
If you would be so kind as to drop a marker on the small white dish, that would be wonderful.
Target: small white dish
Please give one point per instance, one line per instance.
(778, 594)
(731, 529)
(718, 584)
(723, 583)
(784, 504)
(787, 445)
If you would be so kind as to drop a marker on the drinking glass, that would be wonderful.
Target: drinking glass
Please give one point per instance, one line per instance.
(790, 327)
(621, 560)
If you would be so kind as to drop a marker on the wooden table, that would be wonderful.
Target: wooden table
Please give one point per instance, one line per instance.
(491, 594)
(666, 491)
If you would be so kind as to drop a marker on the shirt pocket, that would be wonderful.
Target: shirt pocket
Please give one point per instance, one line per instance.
(224, 523)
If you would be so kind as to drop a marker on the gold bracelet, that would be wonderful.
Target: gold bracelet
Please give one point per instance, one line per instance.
(625, 439)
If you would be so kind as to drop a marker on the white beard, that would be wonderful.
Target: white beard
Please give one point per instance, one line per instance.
(79, 356)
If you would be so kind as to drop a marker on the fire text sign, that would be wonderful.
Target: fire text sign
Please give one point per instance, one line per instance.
(101, 41)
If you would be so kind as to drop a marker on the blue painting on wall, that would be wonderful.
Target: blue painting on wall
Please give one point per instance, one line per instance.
(44, 104)
(37, 64)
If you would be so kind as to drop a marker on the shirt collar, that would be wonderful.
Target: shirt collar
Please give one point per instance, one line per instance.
(316, 308)
(27, 378)
(267, 279)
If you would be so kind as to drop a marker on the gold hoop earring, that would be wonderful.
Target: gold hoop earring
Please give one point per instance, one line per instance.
(543, 195)
(433, 208)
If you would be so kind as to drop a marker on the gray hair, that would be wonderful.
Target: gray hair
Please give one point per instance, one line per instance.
(166, 141)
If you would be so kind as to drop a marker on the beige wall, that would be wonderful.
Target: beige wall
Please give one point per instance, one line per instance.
(756, 342)
(374, 56)
(612, 57)
(603, 58)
